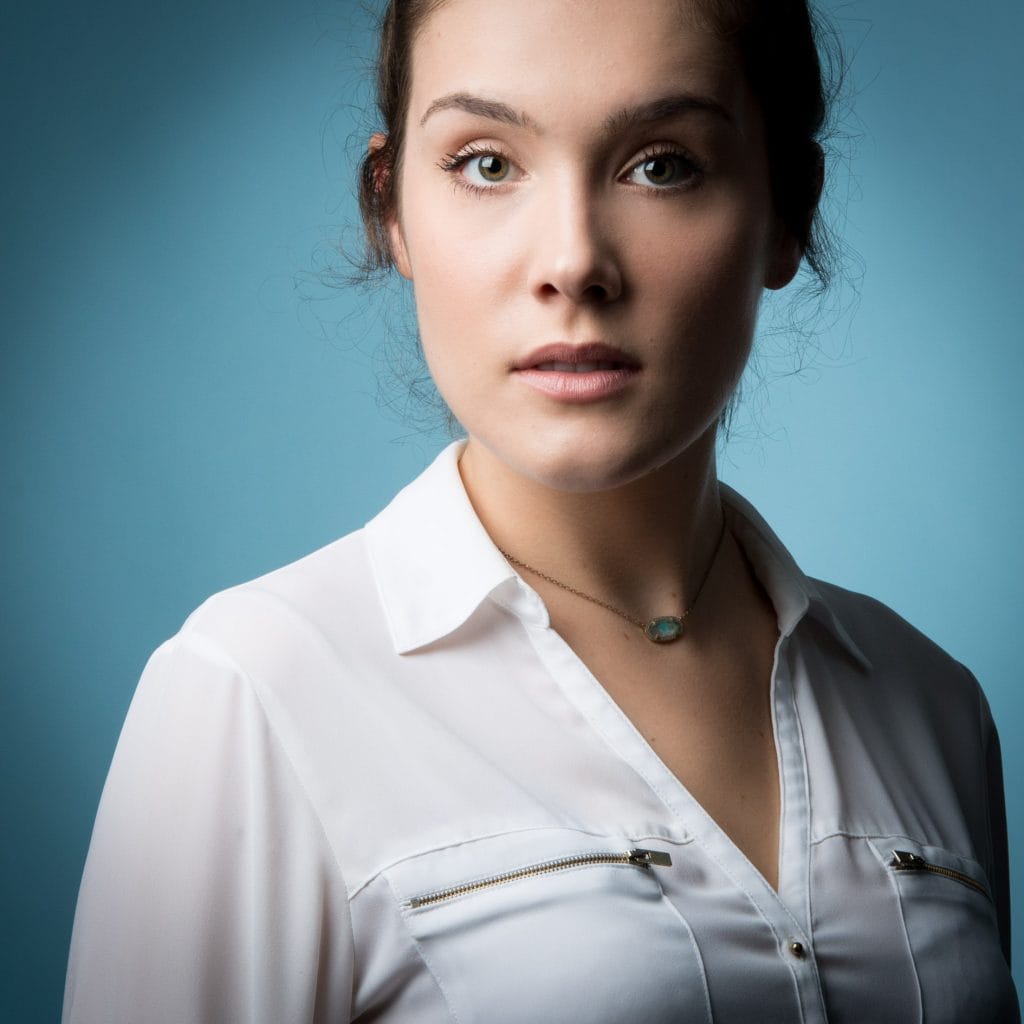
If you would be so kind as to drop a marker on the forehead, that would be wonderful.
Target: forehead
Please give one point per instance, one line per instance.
(572, 56)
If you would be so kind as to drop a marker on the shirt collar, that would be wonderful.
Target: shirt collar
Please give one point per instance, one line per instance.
(434, 563)
(793, 593)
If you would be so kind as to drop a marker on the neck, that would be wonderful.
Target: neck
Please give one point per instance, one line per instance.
(645, 544)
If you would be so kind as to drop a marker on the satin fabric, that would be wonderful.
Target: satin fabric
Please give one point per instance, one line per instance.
(392, 718)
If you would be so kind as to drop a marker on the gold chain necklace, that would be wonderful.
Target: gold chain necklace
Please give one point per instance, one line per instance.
(661, 630)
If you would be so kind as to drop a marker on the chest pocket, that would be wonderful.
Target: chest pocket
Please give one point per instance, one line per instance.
(552, 926)
(953, 934)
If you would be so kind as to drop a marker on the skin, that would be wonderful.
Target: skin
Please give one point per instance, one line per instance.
(571, 240)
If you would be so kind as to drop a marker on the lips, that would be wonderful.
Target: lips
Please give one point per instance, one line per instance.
(605, 364)
(578, 373)
(589, 358)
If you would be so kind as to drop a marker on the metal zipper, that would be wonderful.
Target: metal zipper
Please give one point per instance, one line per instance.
(904, 860)
(638, 857)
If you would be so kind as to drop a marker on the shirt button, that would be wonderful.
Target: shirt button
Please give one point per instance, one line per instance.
(797, 950)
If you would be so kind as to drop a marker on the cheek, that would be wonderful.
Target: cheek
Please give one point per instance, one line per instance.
(453, 320)
(470, 302)
(699, 291)
(706, 277)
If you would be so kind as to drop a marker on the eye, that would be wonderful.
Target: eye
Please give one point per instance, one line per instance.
(479, 169)
(664, 170)
(487, 168)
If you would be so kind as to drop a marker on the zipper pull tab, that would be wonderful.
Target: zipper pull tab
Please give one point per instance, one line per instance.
(904, 860)
(649, 858)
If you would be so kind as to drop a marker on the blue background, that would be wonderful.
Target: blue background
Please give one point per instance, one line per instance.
(186, 404)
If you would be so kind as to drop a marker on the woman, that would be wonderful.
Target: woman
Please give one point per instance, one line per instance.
(563, 733)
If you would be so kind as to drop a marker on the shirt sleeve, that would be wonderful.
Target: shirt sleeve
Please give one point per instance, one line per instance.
(1000, 859)
(210, 892)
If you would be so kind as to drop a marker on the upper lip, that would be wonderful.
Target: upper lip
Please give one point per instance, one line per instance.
(591, 352)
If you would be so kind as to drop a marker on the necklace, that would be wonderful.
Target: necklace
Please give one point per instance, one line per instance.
(661, 630)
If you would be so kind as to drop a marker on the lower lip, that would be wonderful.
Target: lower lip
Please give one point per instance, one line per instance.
(579, 387)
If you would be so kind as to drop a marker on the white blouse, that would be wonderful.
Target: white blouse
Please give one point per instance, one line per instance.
(375, 785)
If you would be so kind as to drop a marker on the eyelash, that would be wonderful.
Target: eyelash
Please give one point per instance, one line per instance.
(691, 164)
(451, 163)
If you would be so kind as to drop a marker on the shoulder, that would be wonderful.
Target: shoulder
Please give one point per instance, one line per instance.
(899, 662)
(338, 574)
(325, 600)
(887, 639)
(348, 594)
(285, 653)
(897, 651)
(287, 673)
(908, 680)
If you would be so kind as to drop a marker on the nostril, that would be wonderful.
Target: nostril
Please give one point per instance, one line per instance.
(593, 280)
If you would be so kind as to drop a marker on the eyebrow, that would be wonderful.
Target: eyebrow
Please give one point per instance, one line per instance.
(494, 110)
(661, 109)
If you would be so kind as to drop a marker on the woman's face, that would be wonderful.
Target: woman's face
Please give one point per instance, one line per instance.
(584, 212)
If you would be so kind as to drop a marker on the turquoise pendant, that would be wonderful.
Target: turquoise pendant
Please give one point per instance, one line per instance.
(664, 630)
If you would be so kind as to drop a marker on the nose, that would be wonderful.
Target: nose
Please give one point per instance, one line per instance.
(574, 256)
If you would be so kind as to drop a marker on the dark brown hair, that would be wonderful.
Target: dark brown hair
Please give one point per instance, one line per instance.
(378, 170)
(778, 43)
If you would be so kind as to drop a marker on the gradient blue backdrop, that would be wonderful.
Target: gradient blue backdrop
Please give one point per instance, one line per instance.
(184, 406)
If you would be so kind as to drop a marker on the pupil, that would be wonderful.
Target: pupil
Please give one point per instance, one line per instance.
(659, 170)
(492, 167)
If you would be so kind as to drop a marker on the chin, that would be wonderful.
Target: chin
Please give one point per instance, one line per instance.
(590, 466)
